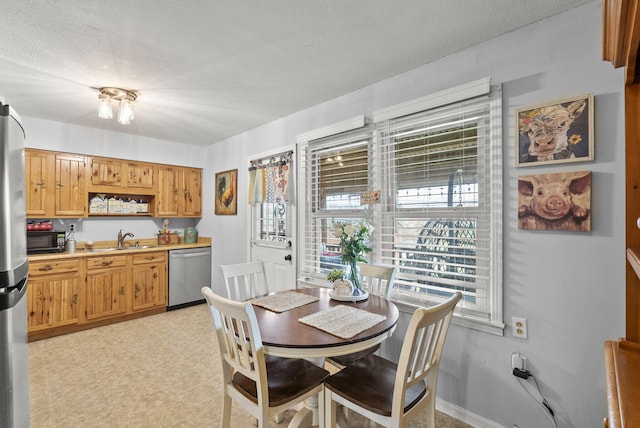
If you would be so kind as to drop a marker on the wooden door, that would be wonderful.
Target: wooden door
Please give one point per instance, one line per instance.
(106, 288)
(70, 192)
(140, 176)
(39, 183)
(106, 172)
(167, 197)
(149, 286)
(191, 198)
(52, 301)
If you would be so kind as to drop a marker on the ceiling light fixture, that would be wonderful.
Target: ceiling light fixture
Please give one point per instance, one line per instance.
(125, 98)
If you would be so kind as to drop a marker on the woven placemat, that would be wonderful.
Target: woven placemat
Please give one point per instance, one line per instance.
(281, 302)
(343, 321)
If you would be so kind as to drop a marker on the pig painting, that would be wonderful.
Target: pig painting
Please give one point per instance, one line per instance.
(559, 201)
(558, 132)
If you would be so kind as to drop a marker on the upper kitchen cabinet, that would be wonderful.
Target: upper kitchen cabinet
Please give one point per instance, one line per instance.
(120, 176)
(179, 192)
(191, 198)
(56, 185)
(105, 172)
(167, 202)
(141, 176)
(72, 185)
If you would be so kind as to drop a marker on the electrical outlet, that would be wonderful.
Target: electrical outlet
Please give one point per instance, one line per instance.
(72, 228)
(519, 327)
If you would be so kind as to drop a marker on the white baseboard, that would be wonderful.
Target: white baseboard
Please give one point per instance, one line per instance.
(464, 415)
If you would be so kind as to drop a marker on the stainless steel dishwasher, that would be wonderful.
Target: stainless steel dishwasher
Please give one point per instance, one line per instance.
(189, 271)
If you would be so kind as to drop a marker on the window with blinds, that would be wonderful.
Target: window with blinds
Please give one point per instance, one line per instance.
(437, 164)
(435, 225)
(336, 172)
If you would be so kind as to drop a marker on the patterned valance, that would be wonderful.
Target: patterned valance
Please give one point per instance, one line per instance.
(271, 179)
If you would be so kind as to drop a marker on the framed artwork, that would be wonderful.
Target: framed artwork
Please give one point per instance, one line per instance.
(560, 201)
(226, 197)
(557, 132)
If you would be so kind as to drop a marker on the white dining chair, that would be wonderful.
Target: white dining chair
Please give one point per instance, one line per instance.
(245, 280)
(263, 385)
(378, 280)
(392, 394)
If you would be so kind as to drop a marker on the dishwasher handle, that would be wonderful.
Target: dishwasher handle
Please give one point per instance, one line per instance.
(176, 254)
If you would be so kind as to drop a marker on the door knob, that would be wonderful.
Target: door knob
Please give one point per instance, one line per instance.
(288, 257)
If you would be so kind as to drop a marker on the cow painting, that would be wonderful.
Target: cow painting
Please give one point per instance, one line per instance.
(558, 132)
(560, 201)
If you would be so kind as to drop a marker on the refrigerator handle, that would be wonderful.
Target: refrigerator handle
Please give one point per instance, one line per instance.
(10, 296)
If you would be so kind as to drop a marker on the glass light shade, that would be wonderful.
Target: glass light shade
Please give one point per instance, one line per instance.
(125, 114)
(104, 110)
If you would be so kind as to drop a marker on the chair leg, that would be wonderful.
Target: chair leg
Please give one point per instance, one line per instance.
(329, 410)
(225, 420)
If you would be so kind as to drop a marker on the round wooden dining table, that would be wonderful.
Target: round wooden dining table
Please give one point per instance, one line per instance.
(284, 336)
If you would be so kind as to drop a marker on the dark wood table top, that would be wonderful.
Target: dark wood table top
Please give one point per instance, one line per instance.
(283, 335)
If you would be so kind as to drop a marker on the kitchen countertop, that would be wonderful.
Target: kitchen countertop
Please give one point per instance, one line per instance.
(129, 249)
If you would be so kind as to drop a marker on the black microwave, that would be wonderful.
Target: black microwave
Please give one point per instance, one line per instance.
(45, 241)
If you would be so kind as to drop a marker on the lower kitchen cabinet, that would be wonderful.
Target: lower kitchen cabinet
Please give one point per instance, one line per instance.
(53, 294)
(106, 288)
(149, 280)
(71, 294)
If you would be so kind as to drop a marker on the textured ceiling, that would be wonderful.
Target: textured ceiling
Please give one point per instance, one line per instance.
(210, 69)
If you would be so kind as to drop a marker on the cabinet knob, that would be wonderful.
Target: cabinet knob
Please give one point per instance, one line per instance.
(638, 222)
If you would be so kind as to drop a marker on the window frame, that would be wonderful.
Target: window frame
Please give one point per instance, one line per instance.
(490, 321)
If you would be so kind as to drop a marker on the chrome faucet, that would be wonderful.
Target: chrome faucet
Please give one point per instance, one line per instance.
(121, 237)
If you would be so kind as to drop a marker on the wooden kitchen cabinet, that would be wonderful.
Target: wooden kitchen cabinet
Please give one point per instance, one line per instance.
(105, 172)
(191, 197)
(56, 185)
(70, 187)
(141, 176)
(106, 287)
(167, 202)
(53, 294)
(62, 184)
(179, 192)
(149, 282)
(39, 183)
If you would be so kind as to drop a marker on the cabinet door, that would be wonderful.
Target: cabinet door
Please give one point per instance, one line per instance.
(149, 286)
(39, 183)
(106, 172)
(52, 301)
(140, 176)
(70, 192)
(105, 294)
(167, 199)
(191, 197)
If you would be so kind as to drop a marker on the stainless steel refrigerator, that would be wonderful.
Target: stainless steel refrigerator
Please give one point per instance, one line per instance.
(14, 371)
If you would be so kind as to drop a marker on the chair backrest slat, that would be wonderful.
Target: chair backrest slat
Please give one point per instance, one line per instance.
(422, 348)
(238, 335)
(378, 279)
(245, 280)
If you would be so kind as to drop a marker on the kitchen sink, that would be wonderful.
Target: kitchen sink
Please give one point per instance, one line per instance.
(139, 247)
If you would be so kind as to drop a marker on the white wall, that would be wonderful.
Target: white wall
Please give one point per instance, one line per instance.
(570, 286)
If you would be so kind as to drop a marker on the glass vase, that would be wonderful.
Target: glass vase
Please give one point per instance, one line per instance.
(354, 275)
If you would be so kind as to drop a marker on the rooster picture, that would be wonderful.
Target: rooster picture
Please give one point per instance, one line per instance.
(225, 187)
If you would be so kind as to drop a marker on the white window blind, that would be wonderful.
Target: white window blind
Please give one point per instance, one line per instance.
(336, 172)
(436, 222)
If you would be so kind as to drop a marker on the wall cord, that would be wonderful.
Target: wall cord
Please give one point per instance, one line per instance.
(522, 376)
